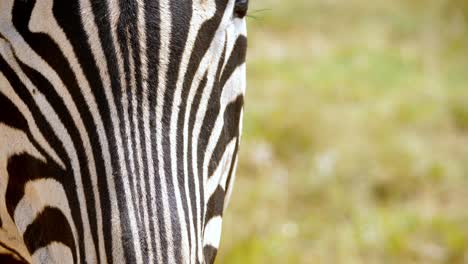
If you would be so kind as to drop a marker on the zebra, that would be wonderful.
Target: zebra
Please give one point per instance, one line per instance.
(120, 123)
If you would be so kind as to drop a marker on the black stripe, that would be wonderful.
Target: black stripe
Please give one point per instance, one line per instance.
(23, 168)
(11, 116)
(181, 14)
(125, 19)
(229, 131)
(101, 17)
(236, 59)
(153, 31)
(129, 34)
(215, 204)
(190, 176)
(9, 259)
(49, 226)
(50, 52)
(231, 169)
(15, 256)
(54, 142)
(210, 253)
(202, 43)
(126, 32)
(207, 126)
(68, 17)
(65, 117)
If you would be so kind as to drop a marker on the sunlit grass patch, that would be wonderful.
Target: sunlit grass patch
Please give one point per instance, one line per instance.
(355, 143)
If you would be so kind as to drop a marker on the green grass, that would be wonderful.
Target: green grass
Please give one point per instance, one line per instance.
(355, 144)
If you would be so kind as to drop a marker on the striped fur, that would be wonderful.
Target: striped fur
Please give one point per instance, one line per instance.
(120, 123)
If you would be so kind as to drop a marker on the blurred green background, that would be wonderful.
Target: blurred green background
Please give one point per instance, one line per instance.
(355, 144)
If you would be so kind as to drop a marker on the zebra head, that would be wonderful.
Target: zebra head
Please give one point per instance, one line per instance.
(120, 122)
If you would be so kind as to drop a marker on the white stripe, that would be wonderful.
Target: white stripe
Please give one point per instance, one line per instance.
(163, 71)
(231, 90)
(148, 141)
(54, 253)
(38, 23)
(128, 133)
(58, 128)
(7, 90)
(206, 61)
(39, 194)
(12, 141)
(228, 192)
(212, 233)
(97, 50)
(114, 16)
(197, 129)
(144, 95)
(222, 170)
(217, 45)
(131, 212)
(195, 23)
